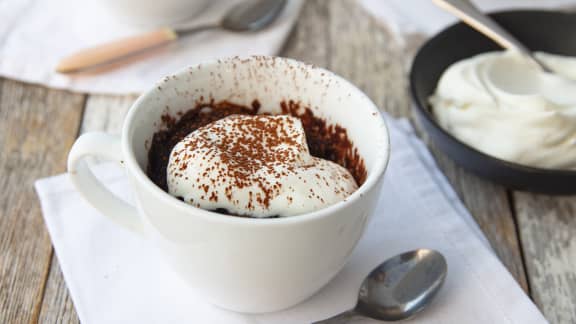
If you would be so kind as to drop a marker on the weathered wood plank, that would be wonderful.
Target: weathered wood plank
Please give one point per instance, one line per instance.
(102, 113)
(487, 202)
(37, 128)
(489, 205)
(308, 41)
(105, 113)
(365, 53)
(547, 228)
(339, 35)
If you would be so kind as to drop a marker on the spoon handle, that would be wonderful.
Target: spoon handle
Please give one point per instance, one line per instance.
(112, 51)
(342, 318)
(123, 48)
(471, 15)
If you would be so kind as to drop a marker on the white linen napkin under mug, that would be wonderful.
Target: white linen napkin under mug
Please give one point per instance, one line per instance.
(115, 276)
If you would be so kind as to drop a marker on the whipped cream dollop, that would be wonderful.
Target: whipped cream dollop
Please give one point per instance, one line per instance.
(257, 166)
(503, 105)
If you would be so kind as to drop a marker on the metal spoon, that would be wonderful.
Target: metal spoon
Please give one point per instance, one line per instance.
(246, 16)
(472, 16)
(398, 288)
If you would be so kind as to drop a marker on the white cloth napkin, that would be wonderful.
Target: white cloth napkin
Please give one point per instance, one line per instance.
(115, 276)
(422, 16)
(36, 34)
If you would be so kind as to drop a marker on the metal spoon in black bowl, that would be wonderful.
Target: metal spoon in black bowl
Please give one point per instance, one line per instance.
(473, 17)
(399, 288)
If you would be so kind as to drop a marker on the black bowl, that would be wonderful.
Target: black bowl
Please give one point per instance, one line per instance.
(548, 31)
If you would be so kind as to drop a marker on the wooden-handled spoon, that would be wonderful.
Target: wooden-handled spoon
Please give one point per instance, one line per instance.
(246, 16)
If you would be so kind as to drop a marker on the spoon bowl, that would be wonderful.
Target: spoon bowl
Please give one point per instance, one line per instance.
(400, 287)
(245, 17)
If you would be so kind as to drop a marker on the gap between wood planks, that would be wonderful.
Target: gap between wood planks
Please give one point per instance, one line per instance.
(52, 259)
(511, 202)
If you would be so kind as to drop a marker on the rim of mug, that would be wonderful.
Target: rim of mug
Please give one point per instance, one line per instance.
(140, 175)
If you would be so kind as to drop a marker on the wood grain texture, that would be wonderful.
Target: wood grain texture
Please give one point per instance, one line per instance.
(489, 205)
(487, 202)
(102, 113)
(365, 53)
(340, 36)
(105, 113)
(57, 306)
(309, 40)
(378, 63)
(37, 128)
(547, 227)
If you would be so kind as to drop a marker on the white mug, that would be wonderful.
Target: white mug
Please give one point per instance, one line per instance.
(242, 264)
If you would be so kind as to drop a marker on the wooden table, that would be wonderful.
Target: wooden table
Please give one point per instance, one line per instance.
(533, 235)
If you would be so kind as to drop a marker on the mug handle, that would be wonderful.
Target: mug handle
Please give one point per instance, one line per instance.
(105, 146)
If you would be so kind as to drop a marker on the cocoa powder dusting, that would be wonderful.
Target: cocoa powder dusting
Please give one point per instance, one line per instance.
(256, 143)
(176, 129)
(325, 141)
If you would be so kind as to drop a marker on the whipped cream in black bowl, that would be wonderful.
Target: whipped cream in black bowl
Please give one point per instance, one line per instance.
(543, 31)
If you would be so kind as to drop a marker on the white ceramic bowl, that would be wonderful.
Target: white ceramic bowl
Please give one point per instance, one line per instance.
(156, 13)
(243, 264)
